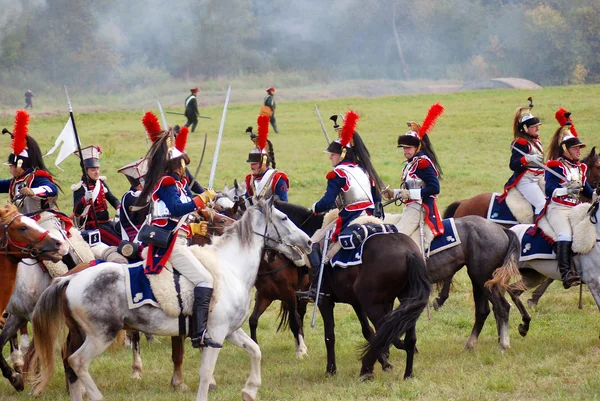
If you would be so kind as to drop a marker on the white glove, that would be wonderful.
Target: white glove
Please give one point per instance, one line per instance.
(534, 158)
(118, 213)
(89, 195)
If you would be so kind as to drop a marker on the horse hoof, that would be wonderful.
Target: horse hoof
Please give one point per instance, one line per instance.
(436, 305)
(246, 396)
(17, 381)
(212, 387)
(136, 375)
(388, 368)
(331, 373)
(180, 387)
(366, 377)
(522, 330)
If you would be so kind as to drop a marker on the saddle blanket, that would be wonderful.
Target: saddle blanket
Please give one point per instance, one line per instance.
(499, 212)
(534, 245)
(137, 286)
(351, 254)
(445, 241)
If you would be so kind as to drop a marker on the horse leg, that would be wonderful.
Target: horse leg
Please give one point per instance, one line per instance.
(177, 351)
(80, 361)
(24, 340)
(74, 341)
(326, 308)
(515, 290)
(136, 366)
(242, 340)
(410, 344)
(443, 295)
(539, 291)
(294, 322)
(300, 312)
(367, 330)
(501, 313)
(482, 310)
(16, 356)
(260, 305)
(207, 368)
(9, 333)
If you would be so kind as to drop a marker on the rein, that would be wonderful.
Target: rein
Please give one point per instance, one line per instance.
(28, 249)
(277, 270)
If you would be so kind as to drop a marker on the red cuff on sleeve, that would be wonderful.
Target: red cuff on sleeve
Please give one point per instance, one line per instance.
(199, 202)
(523, 161)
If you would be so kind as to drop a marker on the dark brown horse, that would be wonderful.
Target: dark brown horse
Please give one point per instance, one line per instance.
(392, 268)
(20, 237)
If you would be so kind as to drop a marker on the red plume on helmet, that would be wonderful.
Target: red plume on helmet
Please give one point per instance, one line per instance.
(432, 115)
(563, 116)
(181, 139)
(20, 130)
(152, 126)
(263, 131)
(349, 127)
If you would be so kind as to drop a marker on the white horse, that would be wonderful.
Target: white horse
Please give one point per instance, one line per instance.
(93, 302)
(587, 261)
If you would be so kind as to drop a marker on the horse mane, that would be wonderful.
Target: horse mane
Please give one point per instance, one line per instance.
(304, 218)
(243, 228)
(8, 212)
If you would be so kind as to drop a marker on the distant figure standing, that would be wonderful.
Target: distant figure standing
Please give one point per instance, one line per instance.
(191, 109)
(28, 101)
(268, 108)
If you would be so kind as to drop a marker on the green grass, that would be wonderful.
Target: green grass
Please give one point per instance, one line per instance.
(557, 360)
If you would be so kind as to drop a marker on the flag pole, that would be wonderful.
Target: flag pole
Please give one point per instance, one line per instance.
(85, 176)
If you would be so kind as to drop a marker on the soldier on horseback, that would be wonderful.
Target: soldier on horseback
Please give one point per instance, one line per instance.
(85, 198)
(264, 181)
(526, 158)
(563, 193)
(353, 187)
(171, 203)
(420, 183)
(131, 218)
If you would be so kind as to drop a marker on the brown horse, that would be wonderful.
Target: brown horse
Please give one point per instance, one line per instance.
(478, 206)
(20, 237)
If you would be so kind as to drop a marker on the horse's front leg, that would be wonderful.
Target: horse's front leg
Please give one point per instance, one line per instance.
(177, 351)
(326, 308)
(260, 306)
(207, 367)
(482, 310)
(9, 332)
(242, 340)
(539, 291)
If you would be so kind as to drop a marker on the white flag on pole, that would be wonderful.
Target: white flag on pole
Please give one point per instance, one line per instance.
(69, 144)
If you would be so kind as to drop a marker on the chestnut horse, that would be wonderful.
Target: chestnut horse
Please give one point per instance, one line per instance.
(20, 237)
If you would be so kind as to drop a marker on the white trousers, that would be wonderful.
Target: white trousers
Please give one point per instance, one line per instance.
(529, 187)
(410, 222)
(558, 218)
(187, 264)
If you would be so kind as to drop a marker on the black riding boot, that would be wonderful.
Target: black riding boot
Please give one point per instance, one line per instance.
(563, 255)
(198, 333)
(315, 260)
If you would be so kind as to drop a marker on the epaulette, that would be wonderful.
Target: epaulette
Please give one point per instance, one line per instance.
(167, 181)
(423, 163)
(102, 178)
(522, 141)
(75, 187)
(331, 175)
(44, 174)
(553, 163)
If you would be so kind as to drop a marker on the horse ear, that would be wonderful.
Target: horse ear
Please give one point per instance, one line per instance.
(235, 184)
(225, 188)
(593, 152)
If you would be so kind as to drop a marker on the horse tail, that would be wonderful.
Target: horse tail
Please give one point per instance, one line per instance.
(405, 316)
(451, 209)
(284, 315)
(510, 266)
(48, 322)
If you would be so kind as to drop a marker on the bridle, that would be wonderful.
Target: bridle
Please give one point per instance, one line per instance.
(28, 249)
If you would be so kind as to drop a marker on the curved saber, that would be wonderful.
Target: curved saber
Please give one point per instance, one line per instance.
(322, 125)
(200, 162)
(542, 165)
(162, 114)
(213, 169)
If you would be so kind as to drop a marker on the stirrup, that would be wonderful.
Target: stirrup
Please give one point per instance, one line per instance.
(205, 341)
(571, 279)
(310, 295)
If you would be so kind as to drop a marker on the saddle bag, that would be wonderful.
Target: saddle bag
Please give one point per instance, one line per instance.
(355, 234)
(156, 236)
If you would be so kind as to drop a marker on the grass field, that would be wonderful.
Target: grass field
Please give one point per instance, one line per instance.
(557, 360)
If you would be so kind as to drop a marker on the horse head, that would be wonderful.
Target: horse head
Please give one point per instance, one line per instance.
(593, 172)
(224, 205)
(281, 234)
(22, 236)
(305, 218)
